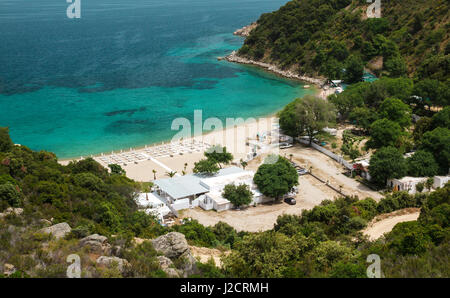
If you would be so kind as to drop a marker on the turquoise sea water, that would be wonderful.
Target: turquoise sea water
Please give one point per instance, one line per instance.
(119, 76)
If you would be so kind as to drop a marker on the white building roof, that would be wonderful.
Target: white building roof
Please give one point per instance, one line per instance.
(148, 200)
(410, 179)
(216, 184)
(189, 185)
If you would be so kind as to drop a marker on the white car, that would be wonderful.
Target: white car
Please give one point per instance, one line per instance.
(285, 145)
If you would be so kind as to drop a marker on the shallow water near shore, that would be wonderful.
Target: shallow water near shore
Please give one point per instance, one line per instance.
(119, 76)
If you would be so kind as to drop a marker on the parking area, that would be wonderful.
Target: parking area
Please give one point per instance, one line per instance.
(311, 193)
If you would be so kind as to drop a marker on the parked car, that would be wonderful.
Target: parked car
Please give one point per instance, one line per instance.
(285, 145)
(302, 171)
(290, 201)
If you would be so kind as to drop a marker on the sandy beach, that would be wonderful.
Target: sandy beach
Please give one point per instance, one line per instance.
(139, 163)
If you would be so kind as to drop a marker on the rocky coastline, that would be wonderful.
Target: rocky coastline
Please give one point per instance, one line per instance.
(234, 57)
(245, 31)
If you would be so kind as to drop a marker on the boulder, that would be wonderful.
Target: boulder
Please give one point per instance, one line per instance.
(8, 269)
(174, 246)
(116, 250)
(121, 264)
(10, 210)
(96, 244)
(58, 231)
(45, 222)
(167, 266)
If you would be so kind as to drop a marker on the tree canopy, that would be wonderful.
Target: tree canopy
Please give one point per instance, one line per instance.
(395, 110)
(422, 164)
(5, 140)
(239, 195)
(219, 155)
(384, 133)
(307, 116)
(276, 179)
(387, 163)
(437, 142)
(206, 166)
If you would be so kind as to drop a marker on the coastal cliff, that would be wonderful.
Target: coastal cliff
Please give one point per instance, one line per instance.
(245, 31)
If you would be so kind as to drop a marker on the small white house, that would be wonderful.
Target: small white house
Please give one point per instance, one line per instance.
(362, 168)
(440, 181)
(331, 131)
(406, 184)
(152, 204)
(205, 191)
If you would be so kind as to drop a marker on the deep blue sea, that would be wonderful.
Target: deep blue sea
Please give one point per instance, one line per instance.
(119, 75)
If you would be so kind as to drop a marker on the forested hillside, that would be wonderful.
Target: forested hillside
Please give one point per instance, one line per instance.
(325, 241)
(324, 37)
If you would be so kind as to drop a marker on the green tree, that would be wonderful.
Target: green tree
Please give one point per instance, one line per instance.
(116, 169)
(328, 253)
(288, 120)
(409, 238)
(441, 119)
(240, 195)
(6, 143)
(421, 127)
(219, 154)
(206, 166)
(387, 163)
(429, 183)
(396, 67)
(267, 254)
(420, 186)
(313, 115)
(431, 92)
(109, 216)
(395, 110)
(171, 174)
(348, 270)
(276, 179)
(363, 117)
(10, 196)
(422, 164)
(437, 142)
(354, 69)
(243, 163)
(383, 133)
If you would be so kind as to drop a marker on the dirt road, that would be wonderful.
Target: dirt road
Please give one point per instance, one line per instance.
(379, 227)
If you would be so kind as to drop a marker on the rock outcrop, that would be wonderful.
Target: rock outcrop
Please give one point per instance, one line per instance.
(174, 246)
(167, 266)
(10, 210)
(233, 57)
(109, 262)
(58, 231)
(8, 269)
(96, 244)
(245, 31)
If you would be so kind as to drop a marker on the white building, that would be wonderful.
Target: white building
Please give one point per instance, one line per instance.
(362, 168)
(152, 204)
(440, 181)
(205, 191)
(406, 184)
(214, 200)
